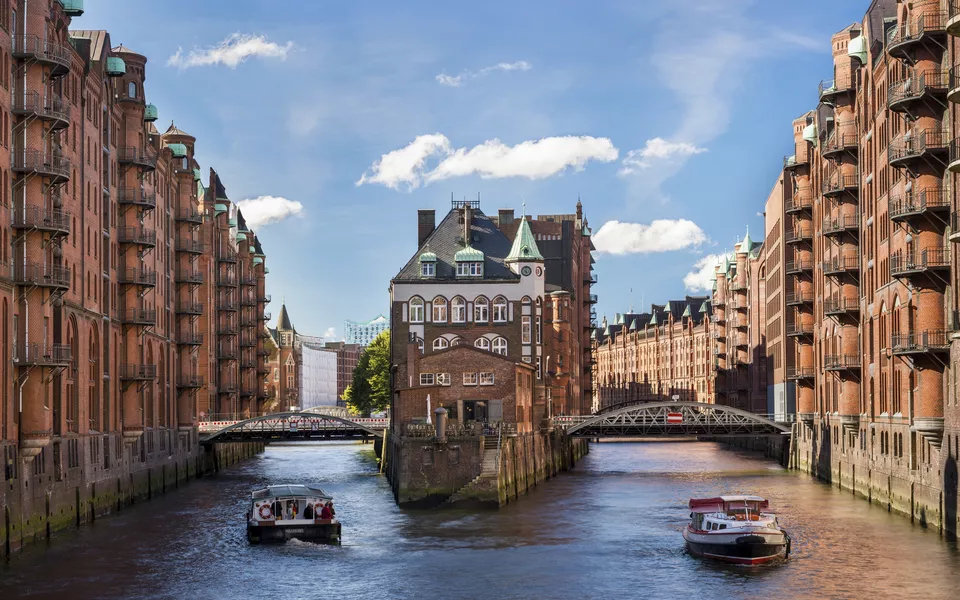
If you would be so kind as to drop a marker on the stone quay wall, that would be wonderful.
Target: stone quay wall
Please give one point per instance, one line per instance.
(35, 506)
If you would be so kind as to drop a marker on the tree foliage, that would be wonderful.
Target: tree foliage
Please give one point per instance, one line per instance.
(370, 389)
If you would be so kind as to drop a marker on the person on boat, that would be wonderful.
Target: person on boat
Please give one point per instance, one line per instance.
(308, 511)
(327, 511)
(277, 510)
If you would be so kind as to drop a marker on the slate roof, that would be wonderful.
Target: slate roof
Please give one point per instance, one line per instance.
(447, 239)
(696, 308)
(174, 130)
(283, 319)
(99, 41)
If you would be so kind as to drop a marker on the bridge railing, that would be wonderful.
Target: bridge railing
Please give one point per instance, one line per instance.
(291, 423)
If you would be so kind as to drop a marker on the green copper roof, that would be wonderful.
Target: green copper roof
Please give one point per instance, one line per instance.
(179, 150)
(241, 237)
(746, 244)
(257, 260)
(857, 48)
(653, 319)
(252, 250)
(265, 269)
(593, 334)
(618, 319)
(810, 133)
(633, 325)
(115, 66)
(705, 306)
(468, 254)
(428, 257)
(219, 208)
(197, 175)
(232, 222)
(524, 245)
(73, 8)
(686, 312)
(150, 113)
(606, 331)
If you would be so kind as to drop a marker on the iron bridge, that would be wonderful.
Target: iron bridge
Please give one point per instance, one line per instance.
(291, 426)
(666, 419)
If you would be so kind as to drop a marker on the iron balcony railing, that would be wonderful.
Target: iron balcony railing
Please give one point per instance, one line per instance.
(41, 354)
(838, 183)
(138, 276)
(738, 287)
(953, 80)
(189, 246)
(135, 196)
(137, 235)
(915, 87)
(840, 306)
(53, 220)
(921, 342)
(795, 373)
(266, 316)
(190, 338)
(799, 328)
(227, 354)
(47, 164)
(139, 316)
(190, 381)
(137, 372)
(798, 266)
(53, 276)
(263, 352)
(914, 144)
(190, 216)
(49, 107)
(227, 305)
(929, 24)
(189, 276)
(131, 155)
(742, 341)
(797, 298)
(802, 199)
(189, 308)
(228, 329)
(915, 203)
(832, 87)
(227, 255)
(798, 235)
(248, 280)
(832, 362)
(841, 140)
(227, 280)
(31, 46)
(248, 301)
(840, 264)
(248, 322)
(928, 259)
(591, 299)
(265, 299)
(796, 160)
(840, 224)
(227, 387)
(247, 341)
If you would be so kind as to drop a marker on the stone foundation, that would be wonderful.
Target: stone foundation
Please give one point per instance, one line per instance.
(39, 500)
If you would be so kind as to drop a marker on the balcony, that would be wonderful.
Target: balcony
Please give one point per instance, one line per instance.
(45, 164)
(248, 301)
(263, 352)
(142, 158)
(741, 322)
(719, 335)
(798, 235)
(227, 281)
(190, 215)
(227, 354)
(51, 54)
(137, 372)
(930, 341)
(265, 299)
(190, 276)
(953, 161)
(838, 307)
(799, 373)
(190, 381)
(955, 228)
(49, 108)
(42, 355)
(924, 202)
(190, 338)
(906, 95)
(246, 391)
(248, 280)
(926, 262)
(917, 147)
(189, 308)
(840, 265)
(799, 329)
(929, 27)
(227, 256)
(738, 287)
(797, 267)
(846, 362)
(838, 184)
(189, 246)
(802, 200)
(45, 276)
(841, 142)
(53, 220)
(590, 299)
(137, 197)
(266, 316)
(840, 225)
(799, 298)
(139, 316)
(830, 89)
(227, 305)
(138, 276)
(137, 236)
(953, 17)
(227, 387)
(742, 341)
(247, 341)
(227, 329)
(590, 279)
(793, 162)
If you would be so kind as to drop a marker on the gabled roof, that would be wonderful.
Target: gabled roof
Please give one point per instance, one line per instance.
(447, 240)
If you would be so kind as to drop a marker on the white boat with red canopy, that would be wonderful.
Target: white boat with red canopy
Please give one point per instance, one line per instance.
(735, 529)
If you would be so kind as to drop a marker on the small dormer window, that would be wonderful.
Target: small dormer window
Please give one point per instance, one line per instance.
(469, 269)
(428, 269)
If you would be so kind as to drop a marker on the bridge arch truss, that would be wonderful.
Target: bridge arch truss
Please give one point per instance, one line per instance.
(294, 426)
(665, 419)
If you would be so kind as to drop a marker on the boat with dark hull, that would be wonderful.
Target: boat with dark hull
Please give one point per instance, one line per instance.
(295, 511)
(735, 529)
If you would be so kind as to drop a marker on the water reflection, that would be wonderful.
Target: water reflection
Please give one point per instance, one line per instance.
(610, 528)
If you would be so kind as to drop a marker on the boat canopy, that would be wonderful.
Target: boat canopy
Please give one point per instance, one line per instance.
(296, 489)
(723, 504)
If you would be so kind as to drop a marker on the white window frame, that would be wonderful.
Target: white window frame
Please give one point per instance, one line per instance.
(428, 269)
(416, 309)
(443, 378)
(482, 343)
(502, 343)
(440, 344)
(439, 309)
(539, 331)
(463, 269)
(539, 371)
(476, 269)
(526, 335)
(486, 378)
(481, 310)
(469, 379)
(420, 344)
(427, 379)
(501, 308)
(458, 310)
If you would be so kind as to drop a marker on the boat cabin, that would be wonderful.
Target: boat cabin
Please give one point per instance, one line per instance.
(289, 504)
(723, 512)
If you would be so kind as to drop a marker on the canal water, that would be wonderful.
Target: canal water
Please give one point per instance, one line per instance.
(608, 529)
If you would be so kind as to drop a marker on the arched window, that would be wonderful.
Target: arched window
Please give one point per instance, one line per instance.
(439, 309)
(482, 343)
(499, 309)
(526, 300)
(440, 343)
(416, 309)
(458, 310)
(500, 346)
(420, 344)
(132, 89)
(93, 379)
(481, 310)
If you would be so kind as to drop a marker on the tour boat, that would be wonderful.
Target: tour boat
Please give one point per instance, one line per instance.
(735, 529)
(294, 511)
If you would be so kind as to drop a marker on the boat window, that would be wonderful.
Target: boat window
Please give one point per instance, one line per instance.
(723, 526)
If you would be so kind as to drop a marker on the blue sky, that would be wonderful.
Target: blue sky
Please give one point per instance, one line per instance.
(670, 118)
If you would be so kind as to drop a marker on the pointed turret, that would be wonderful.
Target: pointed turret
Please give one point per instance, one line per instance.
(524, 247)
(283, 319)
(746, 244)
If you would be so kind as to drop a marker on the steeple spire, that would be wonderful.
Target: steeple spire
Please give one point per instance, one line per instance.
(524, 244)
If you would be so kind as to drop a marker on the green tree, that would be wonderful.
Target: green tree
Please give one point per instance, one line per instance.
(370, 389)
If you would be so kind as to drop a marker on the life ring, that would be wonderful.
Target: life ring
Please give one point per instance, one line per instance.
(265, 512)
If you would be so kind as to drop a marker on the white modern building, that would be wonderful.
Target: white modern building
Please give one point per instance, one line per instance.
(364, 333)
(318, 376)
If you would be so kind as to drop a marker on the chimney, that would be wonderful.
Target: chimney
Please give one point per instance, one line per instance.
(426, 223)
(466, 224)
(505, 217)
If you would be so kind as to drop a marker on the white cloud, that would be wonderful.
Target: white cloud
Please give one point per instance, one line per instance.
(330, 335)
(699, 278)
(662, 235)
(232, 51)
(267, 210)
(458, 80)
(657, 149)
(533, 159)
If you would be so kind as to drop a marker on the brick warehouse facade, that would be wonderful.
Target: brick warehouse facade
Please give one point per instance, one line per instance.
(121, 280)
(470, 284)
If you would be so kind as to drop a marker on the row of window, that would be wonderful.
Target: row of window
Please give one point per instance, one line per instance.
(464, 269)
(497, 346)
(469, 379)
(458, 310)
